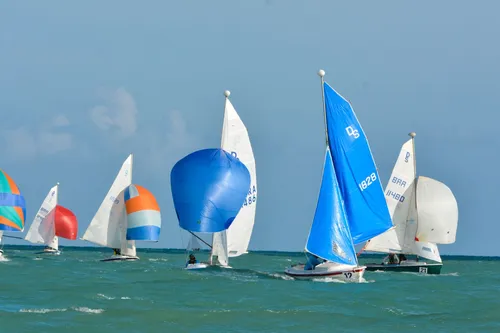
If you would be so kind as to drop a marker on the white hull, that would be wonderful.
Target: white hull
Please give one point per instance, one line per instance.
(327, 270)
(50, 251)
(120, 258)
(198, 265)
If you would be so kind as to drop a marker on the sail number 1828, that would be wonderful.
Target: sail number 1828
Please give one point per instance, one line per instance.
(367, 182)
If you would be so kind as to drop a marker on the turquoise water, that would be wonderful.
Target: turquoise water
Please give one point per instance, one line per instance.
(74, 292)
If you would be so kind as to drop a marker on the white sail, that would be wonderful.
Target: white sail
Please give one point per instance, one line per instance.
(108, 227)
(235, 140)
(54, 243)
(437, 212)
(426, 250)
(399, 195)
(219, 248)
(401, 200)
(42, 229)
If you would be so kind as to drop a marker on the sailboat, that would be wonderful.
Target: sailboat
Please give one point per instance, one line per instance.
(208, 187)
(424, 212)
(234, 241)
(52, 221)
(12, 207)
(351, 207)
(127, 214)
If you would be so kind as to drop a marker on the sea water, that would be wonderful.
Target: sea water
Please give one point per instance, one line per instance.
(75, 292)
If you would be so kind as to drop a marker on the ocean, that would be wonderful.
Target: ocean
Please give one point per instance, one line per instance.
(75, 292)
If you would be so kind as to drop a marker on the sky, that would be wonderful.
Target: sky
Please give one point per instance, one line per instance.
(85, 83)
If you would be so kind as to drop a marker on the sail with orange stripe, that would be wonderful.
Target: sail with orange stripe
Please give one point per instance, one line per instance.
(143, 214)
(12, 205)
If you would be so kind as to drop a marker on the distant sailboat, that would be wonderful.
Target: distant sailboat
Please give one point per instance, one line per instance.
(209, 187)
(351, 207)
(128, 213)
(52, 221)
(12, 207)
(234, 241)
(424, 212)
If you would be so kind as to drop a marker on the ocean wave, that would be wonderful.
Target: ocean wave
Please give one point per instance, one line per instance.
(48, 310)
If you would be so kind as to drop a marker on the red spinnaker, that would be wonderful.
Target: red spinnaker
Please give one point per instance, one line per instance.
(65, 223)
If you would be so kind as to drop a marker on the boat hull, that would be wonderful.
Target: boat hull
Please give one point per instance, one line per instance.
(121, 258)
(50, 251)
(327, 270)
(198, 265)
(414, 267)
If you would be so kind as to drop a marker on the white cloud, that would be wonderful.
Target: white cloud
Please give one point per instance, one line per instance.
(25, 143)
(119, 113)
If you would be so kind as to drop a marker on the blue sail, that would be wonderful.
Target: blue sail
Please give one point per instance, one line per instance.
(360, 186)
(209, 187)
(330, 237)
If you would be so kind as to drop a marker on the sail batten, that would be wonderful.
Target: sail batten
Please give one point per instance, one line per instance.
(357, 175)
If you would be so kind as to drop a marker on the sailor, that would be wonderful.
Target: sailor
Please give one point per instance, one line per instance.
(116, 252)
(391, 259)
(402, 258)
(312, 262)
(192, 259)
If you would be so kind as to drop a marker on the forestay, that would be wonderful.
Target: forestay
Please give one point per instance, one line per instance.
(355, 170)
(108, 227)
(437, 212)
(329, 237)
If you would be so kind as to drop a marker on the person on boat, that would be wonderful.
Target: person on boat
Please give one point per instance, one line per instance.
(192, 259)
(402, 258)
(116, 252)
(391, 259)
(312, 262)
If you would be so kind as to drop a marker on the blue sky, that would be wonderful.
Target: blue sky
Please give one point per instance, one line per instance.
(85, 83)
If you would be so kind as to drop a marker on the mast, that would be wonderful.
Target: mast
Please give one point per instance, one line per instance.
(321, 74)
(227, 93)
(414, 192)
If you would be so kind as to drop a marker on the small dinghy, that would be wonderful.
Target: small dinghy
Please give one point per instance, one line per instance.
(51, 222)
(128, 213)
(424, 213)
(209, 188)
(351, 207)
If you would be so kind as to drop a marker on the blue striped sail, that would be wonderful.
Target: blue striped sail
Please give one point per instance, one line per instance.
(143, 214)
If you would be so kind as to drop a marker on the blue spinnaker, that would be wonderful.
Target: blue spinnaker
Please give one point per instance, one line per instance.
(357, 175)
(329, 237)
(209, 187)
